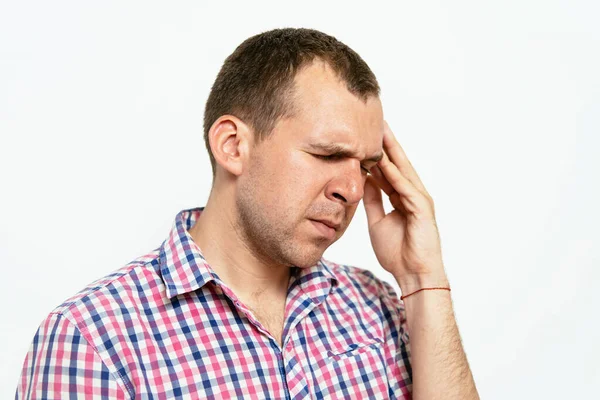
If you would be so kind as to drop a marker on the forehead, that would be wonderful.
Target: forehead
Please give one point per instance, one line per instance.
(329, 113)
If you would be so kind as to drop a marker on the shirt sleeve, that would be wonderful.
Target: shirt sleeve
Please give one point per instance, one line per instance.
(397, 346)
(61, 364)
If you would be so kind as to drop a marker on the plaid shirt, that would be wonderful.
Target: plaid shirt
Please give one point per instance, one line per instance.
(165, 326)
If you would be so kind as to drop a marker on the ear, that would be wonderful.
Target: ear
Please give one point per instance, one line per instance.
(230, 141)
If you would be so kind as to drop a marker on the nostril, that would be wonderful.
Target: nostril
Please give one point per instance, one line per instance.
(339, 196)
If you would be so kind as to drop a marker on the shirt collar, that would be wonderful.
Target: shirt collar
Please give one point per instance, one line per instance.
(184, 269)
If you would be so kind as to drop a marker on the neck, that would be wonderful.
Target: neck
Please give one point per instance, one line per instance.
(250, 275)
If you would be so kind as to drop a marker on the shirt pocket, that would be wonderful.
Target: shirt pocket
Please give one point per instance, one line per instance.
(341, 351)
(353, 371)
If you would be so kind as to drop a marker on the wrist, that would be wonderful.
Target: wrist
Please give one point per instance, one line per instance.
(411, 283)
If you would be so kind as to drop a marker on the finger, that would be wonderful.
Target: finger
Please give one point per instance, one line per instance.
(373, 202)
(381, 181)
(412, 199)
(397, 155)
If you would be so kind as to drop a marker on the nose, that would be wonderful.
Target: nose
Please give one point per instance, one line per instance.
(348, 185)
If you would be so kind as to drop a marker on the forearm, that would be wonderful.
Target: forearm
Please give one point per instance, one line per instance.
(439, 365)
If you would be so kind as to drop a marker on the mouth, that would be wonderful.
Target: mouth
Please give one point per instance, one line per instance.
(329, 223)
(326, 228)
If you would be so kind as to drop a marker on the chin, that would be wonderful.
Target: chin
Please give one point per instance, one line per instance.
(307, 260)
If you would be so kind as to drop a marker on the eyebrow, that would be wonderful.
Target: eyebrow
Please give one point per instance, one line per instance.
(338, 150)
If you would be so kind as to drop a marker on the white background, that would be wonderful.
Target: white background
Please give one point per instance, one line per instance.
(497, 105)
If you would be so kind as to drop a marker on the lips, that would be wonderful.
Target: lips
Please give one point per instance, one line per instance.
(329, 223)
(324, 230)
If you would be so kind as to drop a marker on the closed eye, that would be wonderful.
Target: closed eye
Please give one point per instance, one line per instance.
(334, 158)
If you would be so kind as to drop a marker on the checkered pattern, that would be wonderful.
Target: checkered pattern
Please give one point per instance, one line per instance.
(165, 326)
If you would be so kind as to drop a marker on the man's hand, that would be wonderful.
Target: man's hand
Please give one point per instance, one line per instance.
(406, 241)
(407, 244)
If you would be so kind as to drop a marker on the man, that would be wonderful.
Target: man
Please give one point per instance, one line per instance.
(238, 301)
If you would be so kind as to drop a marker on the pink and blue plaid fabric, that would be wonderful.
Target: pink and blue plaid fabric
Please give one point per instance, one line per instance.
(165, 326)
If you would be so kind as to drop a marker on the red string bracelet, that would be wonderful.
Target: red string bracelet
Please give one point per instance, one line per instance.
(433, 288)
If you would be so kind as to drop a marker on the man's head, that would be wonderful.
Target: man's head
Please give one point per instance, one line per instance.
(281, 103)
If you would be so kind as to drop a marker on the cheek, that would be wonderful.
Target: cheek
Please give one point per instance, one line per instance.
(276, 181)
(288, 181)
(306, 174)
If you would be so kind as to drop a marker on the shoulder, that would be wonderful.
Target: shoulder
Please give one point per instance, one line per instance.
(112, 291)
(76, 343)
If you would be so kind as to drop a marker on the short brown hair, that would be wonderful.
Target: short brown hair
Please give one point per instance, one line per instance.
(256, 81)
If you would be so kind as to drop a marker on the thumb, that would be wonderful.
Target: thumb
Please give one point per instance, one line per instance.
(373, 202)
